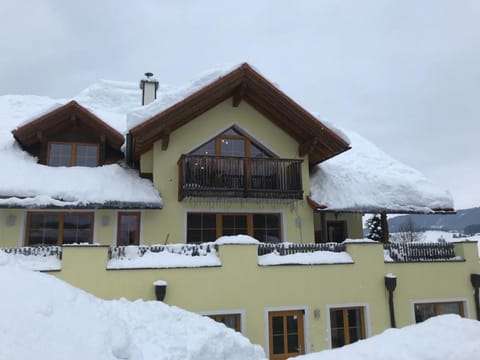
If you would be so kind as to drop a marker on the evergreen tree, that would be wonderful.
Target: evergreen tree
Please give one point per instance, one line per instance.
(374, 226)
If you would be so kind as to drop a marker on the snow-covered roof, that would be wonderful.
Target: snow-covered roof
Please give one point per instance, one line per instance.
(361, 179)
(29, 184)
(366, 179)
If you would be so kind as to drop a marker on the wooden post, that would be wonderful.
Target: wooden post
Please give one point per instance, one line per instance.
(383, 218)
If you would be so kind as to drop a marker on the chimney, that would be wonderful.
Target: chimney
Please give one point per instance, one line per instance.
(149, 88)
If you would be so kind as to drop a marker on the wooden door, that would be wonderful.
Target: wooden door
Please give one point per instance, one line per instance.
(286, 337)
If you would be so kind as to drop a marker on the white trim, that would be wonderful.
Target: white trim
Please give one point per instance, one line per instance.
(225, 128)
(466, 305)
(115, 228)
(306, 333)
(97, 221)
(235, 211)
(141, 230)
(241, 312)
(366, 317)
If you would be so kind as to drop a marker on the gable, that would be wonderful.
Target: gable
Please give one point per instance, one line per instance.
(70, 123)
(242, 84)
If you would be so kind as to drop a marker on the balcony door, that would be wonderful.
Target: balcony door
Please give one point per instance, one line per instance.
(286, 337)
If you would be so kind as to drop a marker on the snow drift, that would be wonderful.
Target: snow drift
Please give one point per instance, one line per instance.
(44, 318)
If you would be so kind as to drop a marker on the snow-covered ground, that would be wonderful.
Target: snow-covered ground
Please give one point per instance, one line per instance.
(44, 318)
(446, 337)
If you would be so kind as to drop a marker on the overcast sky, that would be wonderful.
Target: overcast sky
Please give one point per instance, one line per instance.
(404, 74)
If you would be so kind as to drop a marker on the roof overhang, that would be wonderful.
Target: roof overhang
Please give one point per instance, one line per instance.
(65, 117)
(23, 203)
(378, 210)
(243, 84)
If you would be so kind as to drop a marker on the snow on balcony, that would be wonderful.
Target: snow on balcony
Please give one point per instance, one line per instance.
(40, 258)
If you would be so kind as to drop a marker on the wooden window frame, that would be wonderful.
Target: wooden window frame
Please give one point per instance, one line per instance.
(301, 332)
(436, 307)
(119, 224)
(73, 155)
(250, 227)
(61, 215)
(346, 326)
(237, 316)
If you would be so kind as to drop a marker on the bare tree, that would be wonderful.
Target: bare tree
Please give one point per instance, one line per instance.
(408, 232)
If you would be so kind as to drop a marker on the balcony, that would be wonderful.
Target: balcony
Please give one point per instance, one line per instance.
(239, 177)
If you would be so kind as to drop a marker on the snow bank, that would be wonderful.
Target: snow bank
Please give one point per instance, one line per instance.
(237, 239)
(45, 318)
(37, 258)
(366, 179)
(447, 337)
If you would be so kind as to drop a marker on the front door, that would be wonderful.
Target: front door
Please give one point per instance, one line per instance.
(285, 330)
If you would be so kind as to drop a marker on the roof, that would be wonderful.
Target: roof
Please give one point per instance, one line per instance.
(242, 83)
(363, 179)
(366, 179)
(63, 118)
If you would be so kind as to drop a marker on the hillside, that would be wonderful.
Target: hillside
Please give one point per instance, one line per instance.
(45, 318)
(456, 222)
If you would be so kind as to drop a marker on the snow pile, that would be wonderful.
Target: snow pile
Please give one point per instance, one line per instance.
(308, 258)
(164, 256)
(430, 236)
(447, 337)
(366, 179)
(237, 240)
(33, 258)
(45, 318)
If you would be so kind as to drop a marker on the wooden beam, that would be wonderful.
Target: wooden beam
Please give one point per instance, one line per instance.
(307, 147)
(74, 120)
(39, 135)
(165, 139)
(239, 94)
(384, 223)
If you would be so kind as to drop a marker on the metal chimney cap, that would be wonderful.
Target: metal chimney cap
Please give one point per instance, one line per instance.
(148, 74)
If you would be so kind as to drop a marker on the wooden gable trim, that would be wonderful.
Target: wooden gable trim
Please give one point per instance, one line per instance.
(246, 84)
(70, 114)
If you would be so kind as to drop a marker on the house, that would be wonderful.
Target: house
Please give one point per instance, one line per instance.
(232, 198)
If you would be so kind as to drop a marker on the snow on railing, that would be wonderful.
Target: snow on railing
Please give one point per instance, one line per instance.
(41, 251)
(418, 252)
(42, 258)
(163, 256)
(293, 248)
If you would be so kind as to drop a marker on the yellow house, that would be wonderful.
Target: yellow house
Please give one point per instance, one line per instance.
(227, 199)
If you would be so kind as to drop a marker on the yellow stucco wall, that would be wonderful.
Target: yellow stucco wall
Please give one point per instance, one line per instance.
(241, 284)
(171, 220)
(11, 233)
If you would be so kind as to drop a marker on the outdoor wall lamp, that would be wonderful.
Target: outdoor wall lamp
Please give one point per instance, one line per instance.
(390, 285)
(475, 280)
(160, 289)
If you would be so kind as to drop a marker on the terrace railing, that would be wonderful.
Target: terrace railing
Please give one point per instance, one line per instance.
(239, 177)
(292, 248)
(38, 251)
(418, 252)
(118, 252)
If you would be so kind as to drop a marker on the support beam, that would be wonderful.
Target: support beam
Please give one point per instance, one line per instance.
(307, 147)
(40, 137)
(323, 224)
(384, 222)
(239, 94)
(74, 120)
(165, 139)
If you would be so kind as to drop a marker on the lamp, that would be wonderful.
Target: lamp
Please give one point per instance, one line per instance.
(390, 285)
(475, 280)
(160, 289)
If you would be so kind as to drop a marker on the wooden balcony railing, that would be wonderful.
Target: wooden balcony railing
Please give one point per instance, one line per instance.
(420, 252)
(239, 177)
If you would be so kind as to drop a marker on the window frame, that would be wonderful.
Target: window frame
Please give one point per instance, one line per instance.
(73, 154)
(236, 312)
(61, 222)
(437, 302)
(346, 324)
(303, 326)
(138, 214)
(366, 318)
(219, 226)
(344, 225)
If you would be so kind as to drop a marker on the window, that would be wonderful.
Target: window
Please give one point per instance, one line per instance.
(231, 143)
(424, 311)
(53, 228)
(207, 227)
(347, 325)
(336, 231)
(229, 320)
(286, 338)
(128, 232)
(72, 154)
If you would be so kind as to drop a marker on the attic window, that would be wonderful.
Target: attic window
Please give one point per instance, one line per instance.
(72, 154)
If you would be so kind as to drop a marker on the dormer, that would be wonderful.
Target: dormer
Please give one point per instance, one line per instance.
(70, 135)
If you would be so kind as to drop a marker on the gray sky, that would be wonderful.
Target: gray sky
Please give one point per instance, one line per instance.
(405, 74)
